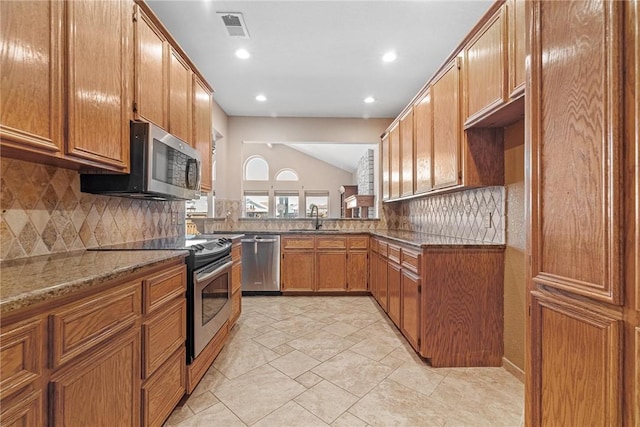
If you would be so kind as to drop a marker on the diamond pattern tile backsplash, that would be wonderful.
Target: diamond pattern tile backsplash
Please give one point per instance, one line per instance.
(476, 214)
(43, 212)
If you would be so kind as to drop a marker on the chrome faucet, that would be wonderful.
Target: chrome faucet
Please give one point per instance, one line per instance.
(316, 222)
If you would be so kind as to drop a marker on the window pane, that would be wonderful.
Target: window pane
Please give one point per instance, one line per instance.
(256, 205)
(287, 205)
(287, 175)
(320, 200)
(256, 169)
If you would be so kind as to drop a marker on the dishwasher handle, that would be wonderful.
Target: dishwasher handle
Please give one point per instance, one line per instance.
(258, 240)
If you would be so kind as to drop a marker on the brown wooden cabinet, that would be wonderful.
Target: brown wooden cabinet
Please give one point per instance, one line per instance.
(423, 134)
(180, 98)
(517, 47)
(394, 162)
(407, 150)
(393, 290)
(583, 270)
(331, 263)
(386, 173)
(382, 274)
(25, 409)
(203, 128)
(447, 127)
(297, 269)
(411, 315)
(236, 282)
(485, 71)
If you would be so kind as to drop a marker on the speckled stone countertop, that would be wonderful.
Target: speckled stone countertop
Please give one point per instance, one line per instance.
(28, 281)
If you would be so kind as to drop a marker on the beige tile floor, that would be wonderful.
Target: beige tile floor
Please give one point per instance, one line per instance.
(339, 361)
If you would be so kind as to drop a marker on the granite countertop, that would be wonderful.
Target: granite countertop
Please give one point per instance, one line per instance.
(28, 281)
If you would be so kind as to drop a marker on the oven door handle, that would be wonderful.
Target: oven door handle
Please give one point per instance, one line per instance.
(214, 273)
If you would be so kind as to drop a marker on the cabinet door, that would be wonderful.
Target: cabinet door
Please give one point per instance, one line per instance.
(20, 356)
(179, 97)
(31, 107)
(406, 142)
(382, 282)
(485, 69)
(331, 271)
(102, 389)
(384, 158)
(151, 71)
(100, 76)
(517, 47)
(394, 162)
(423, 164)
(164, 390)
(202, 129)
(410, 308)
(162, 334)
(24, 409)
(297, 271)
(394, 293)
(357, 271)
(445, 98)
(373, 272)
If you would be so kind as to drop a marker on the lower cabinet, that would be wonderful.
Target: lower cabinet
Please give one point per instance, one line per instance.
(331, 271)
(297, 271)
(25, 409)
(382, 281)
(410, 290)
(164, 390)
(236, 282)
(393, 289)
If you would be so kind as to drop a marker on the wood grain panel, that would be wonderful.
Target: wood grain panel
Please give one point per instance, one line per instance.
(20, 356)
(297, 271)
(394, 162)
(410, 308)
(102, 389)
(483, 157)
(236, 277)
(517, 47)
(462, 300)
(236, 251)
(406, 142)
(31, 108)
(410, 260)
(151, 71)
(383, 248)
(576, 143)
(236, 307)
(382, 282)
(25, 410)
(393, 253)
(201, 364)
(162, 335)
(334, 242)
(179, 97)
(357, 270)
(99, 81)
(576, 347)
(203, 129)
(423, 122)
(163, 287)
(385, 160)
(393, 289)
(485, 69)
(294, 242)
(373, 273)
(633, 123)
(164, 390)
(331, 271)
(445, 99)
(358, 242)
(80, 326)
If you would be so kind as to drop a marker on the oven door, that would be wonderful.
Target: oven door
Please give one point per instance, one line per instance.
(212, 301)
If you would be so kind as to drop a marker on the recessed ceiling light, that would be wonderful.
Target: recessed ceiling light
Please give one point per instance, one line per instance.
(389, 57)
(261, 98)
(369, 99)
(242, 53)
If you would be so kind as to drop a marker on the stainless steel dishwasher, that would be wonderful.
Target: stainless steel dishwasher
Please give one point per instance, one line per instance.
(261, 264)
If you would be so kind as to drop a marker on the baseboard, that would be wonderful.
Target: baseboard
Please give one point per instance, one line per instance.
(513, 369)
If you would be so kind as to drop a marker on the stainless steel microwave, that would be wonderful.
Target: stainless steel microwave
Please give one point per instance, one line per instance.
(163, 167)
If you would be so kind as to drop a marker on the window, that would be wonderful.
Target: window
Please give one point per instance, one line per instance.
(256, 169)
(287, 175)
(255, 205)
(287, 205)
(321, 200)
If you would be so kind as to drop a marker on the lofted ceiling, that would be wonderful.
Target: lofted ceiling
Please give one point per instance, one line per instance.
(319, 58)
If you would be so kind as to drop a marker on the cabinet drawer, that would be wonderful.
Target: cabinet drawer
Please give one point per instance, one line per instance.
(236, 252)
(359, 242)
(23, 410)
(236, 306)
(374, 245)
(297, 242)
(91, 321)
(164, 390)
(236, 277)
(20, 356)
(162, 334)
(164, 287)
(335, 242)
(410, 260)
(383, 248)
(394, 253)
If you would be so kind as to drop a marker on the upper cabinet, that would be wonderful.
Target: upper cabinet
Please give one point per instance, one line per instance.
(203, 129)
(445, 99)
(384, 147)
(394, 149)
(151, 71)
(485, 69)
(406, 143)
(517, 48)
(179, 97)
(423, 135)
(52, 64)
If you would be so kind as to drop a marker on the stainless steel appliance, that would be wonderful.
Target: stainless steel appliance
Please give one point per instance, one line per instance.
(260, 264)
(208, 284)
(162, 166)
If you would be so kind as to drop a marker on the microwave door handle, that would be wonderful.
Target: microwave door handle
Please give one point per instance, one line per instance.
(190, 185)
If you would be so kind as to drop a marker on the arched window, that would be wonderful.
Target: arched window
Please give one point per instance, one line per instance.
(256, 169)
(287, 175)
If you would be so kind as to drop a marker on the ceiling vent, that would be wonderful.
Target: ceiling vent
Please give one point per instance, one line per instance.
(234, 23)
